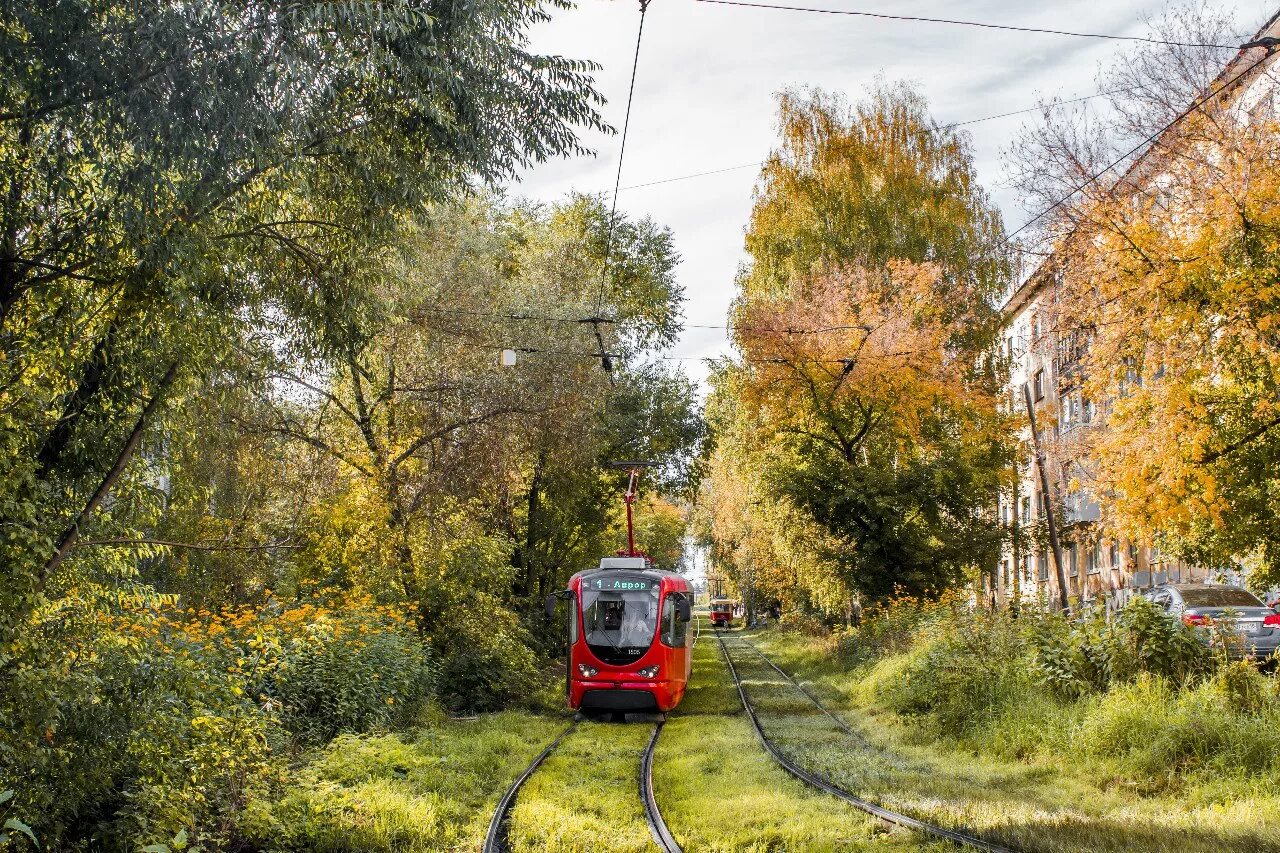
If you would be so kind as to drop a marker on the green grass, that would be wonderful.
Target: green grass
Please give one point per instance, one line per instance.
(1046, 800)
(433, 788)
(585, 796)
(718, 790)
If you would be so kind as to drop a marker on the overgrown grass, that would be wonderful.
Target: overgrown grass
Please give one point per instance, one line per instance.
(719, 791)
(432, 788)
(968, 732)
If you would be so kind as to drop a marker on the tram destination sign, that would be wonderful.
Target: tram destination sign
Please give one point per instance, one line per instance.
(622, 584)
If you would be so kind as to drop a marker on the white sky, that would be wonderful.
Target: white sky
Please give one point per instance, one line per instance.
(704, 100)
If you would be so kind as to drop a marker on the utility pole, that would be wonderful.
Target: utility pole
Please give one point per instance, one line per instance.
(1063, 601)
(1016, 598)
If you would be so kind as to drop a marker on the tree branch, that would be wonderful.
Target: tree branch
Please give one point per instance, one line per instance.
(192, 546)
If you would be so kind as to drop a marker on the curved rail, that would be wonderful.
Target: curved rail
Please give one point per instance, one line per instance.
(657, 825)
(495, 840)
(840, 721)
(816, 781)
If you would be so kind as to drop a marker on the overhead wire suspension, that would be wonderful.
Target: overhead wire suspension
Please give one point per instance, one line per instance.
(605, 360)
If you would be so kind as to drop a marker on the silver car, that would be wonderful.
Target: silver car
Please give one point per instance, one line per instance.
(1257, 625)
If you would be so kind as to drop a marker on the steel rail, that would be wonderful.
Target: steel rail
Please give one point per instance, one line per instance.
(835, 718)
(495, 840)
(887, 815)
(657, 826)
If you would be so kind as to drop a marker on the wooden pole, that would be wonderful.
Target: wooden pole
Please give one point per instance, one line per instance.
(1063, 601)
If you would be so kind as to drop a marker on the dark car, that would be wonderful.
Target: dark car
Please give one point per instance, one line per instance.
(1257, 625)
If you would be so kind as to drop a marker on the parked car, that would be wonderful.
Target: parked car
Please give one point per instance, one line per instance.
(1198, 605)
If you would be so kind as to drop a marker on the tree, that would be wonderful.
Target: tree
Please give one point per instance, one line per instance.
(433, 445)
(865, 393)
(176, 175)
(872, 183)
(873, 428)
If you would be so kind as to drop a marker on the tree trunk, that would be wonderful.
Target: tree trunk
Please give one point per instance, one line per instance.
(72, 533)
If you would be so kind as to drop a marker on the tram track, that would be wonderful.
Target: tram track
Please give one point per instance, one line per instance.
(496, 839)
(661, 834)
(888, 816)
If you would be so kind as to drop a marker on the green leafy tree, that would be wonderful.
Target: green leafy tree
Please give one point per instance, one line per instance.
(184, 171)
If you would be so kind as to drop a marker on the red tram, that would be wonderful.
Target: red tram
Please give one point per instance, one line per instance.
(721, 613)
(630, 643)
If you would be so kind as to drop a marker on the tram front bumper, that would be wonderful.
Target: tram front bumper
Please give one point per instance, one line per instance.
(631, 695)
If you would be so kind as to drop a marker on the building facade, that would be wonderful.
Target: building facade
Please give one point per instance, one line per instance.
(1045, 371)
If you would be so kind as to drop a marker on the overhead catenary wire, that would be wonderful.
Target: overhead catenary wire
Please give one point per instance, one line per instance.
(469, 338)
(549, 318)
(597, 319)
(964, 23)
(939, 129)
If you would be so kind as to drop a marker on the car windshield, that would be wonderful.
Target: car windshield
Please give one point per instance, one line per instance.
(619, 616)
(1219, 597)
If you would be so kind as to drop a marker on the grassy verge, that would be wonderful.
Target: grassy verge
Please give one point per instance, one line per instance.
(432, 788)
(1038, 800)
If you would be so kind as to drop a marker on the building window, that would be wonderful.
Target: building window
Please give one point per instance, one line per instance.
(1113, 555)
(1026, 510)
(1093, 561)
(1037, 386)
(1008, 348)
(1035, 327)
(1071, 560)
(1042, 566)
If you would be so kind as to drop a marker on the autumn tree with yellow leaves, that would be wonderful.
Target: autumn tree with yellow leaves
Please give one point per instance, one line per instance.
(858, 446)
(1168, 278)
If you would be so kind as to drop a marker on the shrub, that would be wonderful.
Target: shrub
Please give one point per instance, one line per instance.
(894, 627)
(128, 742)
(803, 622)
(161, 724)
(1155, 730)
(487, 663)
(1078, 657)
(975, 667)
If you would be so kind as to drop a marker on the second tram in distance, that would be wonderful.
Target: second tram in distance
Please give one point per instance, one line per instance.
(721, 613)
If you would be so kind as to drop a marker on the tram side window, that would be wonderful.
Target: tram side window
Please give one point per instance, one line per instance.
(674, 629)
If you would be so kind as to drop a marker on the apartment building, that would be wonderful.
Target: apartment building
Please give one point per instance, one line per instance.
(1046, 370)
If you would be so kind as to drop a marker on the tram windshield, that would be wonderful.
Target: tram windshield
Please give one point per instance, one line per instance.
(619, 616)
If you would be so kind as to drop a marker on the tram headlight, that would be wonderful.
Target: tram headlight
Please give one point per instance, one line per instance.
(648, 672)
(587, 671)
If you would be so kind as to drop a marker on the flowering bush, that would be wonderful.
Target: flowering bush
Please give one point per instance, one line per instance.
(345, 664)
(162, 722)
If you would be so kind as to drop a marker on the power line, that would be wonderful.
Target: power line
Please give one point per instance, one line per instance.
(481, 343)
(938, 129)
(547, 318)
(956, 22)
(617, 182)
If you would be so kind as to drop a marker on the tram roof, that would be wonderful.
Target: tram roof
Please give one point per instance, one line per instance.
(647, 572)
